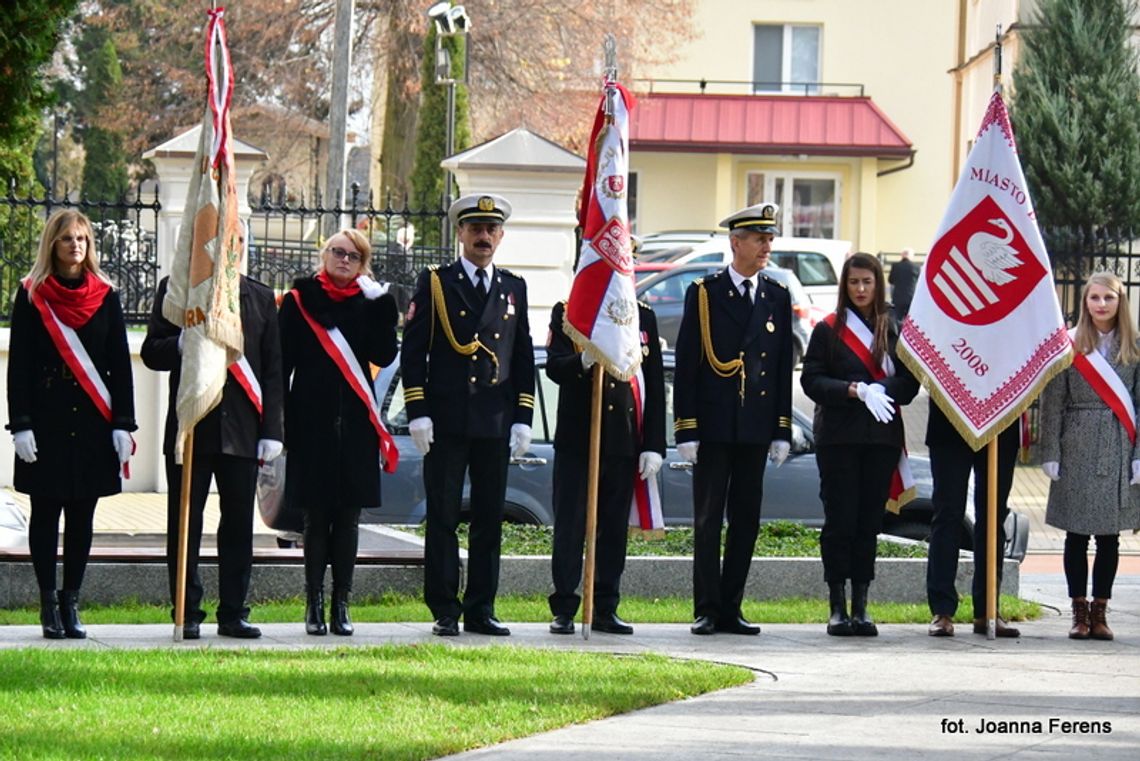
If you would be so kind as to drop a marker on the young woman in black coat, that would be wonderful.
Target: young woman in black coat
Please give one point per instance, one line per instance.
(333, 466)
(852, 374)
(70, 419)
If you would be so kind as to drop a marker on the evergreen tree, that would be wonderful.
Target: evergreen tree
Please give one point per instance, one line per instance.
(105, 168)
(1076, 114)
(431, 128)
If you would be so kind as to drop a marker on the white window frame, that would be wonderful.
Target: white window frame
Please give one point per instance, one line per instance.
(789, 176)
(786, 60)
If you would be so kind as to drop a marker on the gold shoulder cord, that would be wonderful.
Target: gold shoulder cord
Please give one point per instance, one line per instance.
(467, 349)
(723, 369)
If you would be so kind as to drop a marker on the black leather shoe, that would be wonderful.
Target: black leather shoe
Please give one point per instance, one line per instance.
(488, 625)
(703, 625)
(446, 626)
(240, 629)
(562, 625)
(737, 625)
(191, 630)
(611, 624)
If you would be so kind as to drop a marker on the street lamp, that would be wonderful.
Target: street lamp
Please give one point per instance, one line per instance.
(450, 21)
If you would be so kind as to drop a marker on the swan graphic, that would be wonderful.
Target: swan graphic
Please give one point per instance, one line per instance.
(992, 255)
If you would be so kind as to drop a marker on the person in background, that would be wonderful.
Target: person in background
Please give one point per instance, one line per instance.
(857, 382)
(903, 279)
(333, 324)
(70, 407)
(1089, 448)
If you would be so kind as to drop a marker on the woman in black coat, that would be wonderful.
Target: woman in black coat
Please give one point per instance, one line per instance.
(333, 466)
(70, 420)
(852, 374)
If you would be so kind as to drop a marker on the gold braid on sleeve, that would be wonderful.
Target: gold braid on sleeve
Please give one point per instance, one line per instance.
(723, 369)
(466, 349)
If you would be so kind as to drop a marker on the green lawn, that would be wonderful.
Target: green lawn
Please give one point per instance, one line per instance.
(413, 702)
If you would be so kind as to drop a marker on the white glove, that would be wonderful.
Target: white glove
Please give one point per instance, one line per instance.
(1053, 470)
(778, 452)
(878, 403)
(520, 439)
(648, 465)
(268, 450)
(370, 288)
(687, 451)
(588, 360)
(423, 433)
(1135, 473)
(25, 442)
(181, 338)
(124, 447)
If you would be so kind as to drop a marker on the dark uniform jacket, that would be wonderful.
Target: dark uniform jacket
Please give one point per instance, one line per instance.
(708, 407)
(334, 453)
(829, 367)
(619, 422)
(233, 427)
(469, 394)
(75, 458)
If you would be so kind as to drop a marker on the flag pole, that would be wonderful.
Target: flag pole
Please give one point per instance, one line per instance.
(592, 498)
(183, 540)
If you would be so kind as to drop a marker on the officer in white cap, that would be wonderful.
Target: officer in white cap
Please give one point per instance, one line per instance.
(468, 370)
(732, 406)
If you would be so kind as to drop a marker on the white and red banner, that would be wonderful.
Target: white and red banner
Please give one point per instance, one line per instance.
(601, 313)
(985, 332)
(1098, 372)
(645, 511)
(202, 294)
(247, 379)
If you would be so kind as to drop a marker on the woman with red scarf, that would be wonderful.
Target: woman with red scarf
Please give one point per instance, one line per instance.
(70, 407)
(333, 324)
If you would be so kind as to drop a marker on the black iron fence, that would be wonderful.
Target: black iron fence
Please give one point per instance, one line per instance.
(126, 240)
(1076, 253)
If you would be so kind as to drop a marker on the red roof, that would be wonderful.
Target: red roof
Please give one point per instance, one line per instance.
(814, 125)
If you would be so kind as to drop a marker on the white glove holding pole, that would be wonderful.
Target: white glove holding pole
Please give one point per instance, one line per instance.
(648, 464)
(1053, 470)
(878, 403)
(687, 451)
(268, 450)
(25, 443)
(423, 433)
(587, 360)
(520, 439)
(370, 288)
(778, 452)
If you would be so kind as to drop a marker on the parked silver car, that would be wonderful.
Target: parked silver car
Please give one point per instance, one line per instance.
(13, 527)
(791, 492)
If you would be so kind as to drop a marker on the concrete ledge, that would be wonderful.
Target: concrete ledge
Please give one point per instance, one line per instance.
(897, 580)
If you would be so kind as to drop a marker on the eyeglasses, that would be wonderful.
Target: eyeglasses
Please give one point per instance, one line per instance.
(340, 253)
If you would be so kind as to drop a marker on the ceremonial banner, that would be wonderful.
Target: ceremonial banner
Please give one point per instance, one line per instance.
(601, 313)
(985, 332)
(202, 294)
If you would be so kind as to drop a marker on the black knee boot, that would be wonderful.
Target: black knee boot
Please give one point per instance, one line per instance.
(315, 611)
(839, 624)
(69, 615)
(339, 621)
(49, 615)
(861, 623)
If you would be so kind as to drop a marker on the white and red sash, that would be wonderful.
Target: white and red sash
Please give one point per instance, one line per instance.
(336, 346)
(245, 378)
(859, 339)
(645, 507)
(1095, 369)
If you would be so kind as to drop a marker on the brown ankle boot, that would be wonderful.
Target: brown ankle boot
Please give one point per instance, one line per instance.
(1080, 628)
(1098, 628)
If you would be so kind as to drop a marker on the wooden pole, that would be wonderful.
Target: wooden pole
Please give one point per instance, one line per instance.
(183, 541)
(991, 538)
(592, 500)
(335, 196)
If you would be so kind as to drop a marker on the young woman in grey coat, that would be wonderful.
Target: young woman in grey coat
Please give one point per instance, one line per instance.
(1088, 450)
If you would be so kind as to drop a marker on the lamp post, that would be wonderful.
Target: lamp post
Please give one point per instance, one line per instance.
(450, 21)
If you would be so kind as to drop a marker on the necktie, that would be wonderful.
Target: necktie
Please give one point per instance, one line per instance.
(747, 285)
(481, 283)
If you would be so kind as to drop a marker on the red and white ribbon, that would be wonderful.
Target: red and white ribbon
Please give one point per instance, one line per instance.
(336, 346)
(246, 378)
(1095, 369)
(645, 507)
(220, 79)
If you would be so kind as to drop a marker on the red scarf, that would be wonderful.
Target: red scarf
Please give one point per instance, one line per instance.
(334, 291)
(73, 306)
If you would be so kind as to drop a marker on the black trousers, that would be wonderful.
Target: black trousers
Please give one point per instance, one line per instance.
(615, 491)
(728, 482)
(237, 481)
(1105, 563)
(332, 535)
(43, 539)
(854, 484)
(445, 466)
(950, 465)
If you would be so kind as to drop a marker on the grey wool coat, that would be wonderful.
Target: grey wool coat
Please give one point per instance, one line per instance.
(1080, 432)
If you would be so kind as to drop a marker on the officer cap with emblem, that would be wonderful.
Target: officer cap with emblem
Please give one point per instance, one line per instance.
(760, 218)
(480, 207)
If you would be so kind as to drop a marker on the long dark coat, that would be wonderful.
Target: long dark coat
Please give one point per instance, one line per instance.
(333, 452)
(75, 457)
